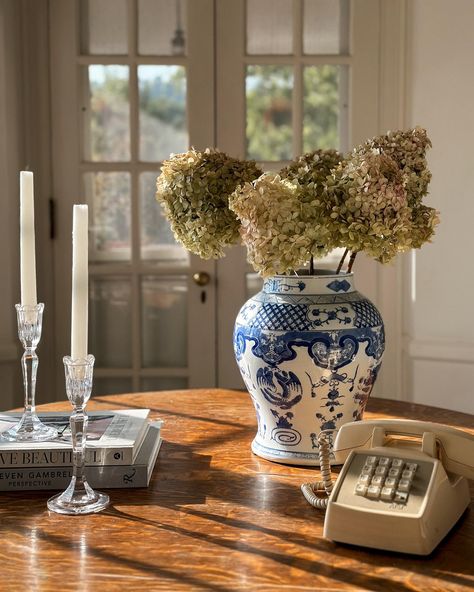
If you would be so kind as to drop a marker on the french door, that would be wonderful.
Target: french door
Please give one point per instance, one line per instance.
(131, 83)
(135, 80)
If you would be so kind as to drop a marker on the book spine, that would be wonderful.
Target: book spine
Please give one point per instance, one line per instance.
(44, 478)
(62, 457)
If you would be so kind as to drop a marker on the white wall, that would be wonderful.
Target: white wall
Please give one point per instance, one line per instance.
(440, 97)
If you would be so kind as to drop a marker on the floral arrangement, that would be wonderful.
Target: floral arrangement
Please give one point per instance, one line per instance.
(370, 201)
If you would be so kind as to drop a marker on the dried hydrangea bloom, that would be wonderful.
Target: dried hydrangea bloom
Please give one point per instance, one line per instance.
(310, 171)
(277, 226)
(424, 221)
(367, 207)
(408, 149)
(193, 189)
(312, 167)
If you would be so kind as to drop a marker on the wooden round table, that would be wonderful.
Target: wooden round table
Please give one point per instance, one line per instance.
(215, 517)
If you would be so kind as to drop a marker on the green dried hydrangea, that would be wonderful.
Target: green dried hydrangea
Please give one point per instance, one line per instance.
(193, 190)
(277, 225)
(311, 169)
(367, 207)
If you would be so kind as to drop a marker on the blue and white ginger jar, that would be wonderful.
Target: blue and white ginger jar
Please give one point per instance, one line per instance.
(309, 349)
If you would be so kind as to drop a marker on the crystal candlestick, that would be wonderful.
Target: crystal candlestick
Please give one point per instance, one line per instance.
(79, 497)
(29, 428)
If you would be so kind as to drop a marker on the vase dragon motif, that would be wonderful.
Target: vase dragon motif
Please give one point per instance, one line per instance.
(309, 349)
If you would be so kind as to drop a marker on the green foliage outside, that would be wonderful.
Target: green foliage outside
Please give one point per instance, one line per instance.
(321, 108)
(164, 98)
(269, 110)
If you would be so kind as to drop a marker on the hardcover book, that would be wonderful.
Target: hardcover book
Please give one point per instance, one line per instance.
(113, 438)
(101, 477)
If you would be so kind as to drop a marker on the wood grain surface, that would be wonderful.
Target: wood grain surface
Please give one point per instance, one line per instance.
(215, 518)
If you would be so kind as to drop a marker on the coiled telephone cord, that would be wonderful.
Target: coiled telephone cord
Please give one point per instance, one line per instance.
(310, 489)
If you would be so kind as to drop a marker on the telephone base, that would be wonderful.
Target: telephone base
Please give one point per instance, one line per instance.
(431, 508)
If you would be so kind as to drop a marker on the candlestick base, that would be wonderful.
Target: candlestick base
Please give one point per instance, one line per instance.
(79, 498)
(29, 429)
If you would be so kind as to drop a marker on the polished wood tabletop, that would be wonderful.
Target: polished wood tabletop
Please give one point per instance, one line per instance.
(215, 517)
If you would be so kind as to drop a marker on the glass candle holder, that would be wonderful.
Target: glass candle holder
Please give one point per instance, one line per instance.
(30, 428)
(79, 497)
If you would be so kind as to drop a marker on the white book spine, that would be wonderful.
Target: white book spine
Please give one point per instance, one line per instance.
(118, 445)
(104, 477)
(38, 478)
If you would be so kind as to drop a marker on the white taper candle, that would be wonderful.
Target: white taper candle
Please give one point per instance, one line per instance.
(27, 239)
(80, 291)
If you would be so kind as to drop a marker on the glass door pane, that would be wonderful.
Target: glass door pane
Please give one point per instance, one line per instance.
(325, 107)
(163, 128)
(110, 319)
(325, 27)
(162, 27)
(106, 113)
(157, 242)
(109, 198)
(269, 27)
(269, 94)
(102, 33)
(164, 322)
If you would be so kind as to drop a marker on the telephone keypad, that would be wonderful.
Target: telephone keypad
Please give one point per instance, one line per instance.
(388, 479)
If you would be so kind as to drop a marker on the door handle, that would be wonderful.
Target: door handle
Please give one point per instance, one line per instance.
(201, 278)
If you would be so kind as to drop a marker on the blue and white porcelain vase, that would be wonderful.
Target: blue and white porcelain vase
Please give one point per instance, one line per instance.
(309, 349)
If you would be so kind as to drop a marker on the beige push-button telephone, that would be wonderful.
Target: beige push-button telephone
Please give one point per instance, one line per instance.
(402, 487)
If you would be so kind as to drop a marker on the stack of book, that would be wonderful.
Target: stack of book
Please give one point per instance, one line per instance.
(122, 448)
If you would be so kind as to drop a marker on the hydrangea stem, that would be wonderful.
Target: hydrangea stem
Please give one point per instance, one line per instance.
(311, 266)
(351, 261)
(341, 262)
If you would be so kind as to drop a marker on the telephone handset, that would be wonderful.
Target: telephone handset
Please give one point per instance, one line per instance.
(402, 487)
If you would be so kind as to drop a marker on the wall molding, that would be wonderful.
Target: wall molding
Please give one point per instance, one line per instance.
(442, 350)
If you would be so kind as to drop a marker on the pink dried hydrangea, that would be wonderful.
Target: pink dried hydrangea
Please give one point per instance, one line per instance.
(367, 207)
